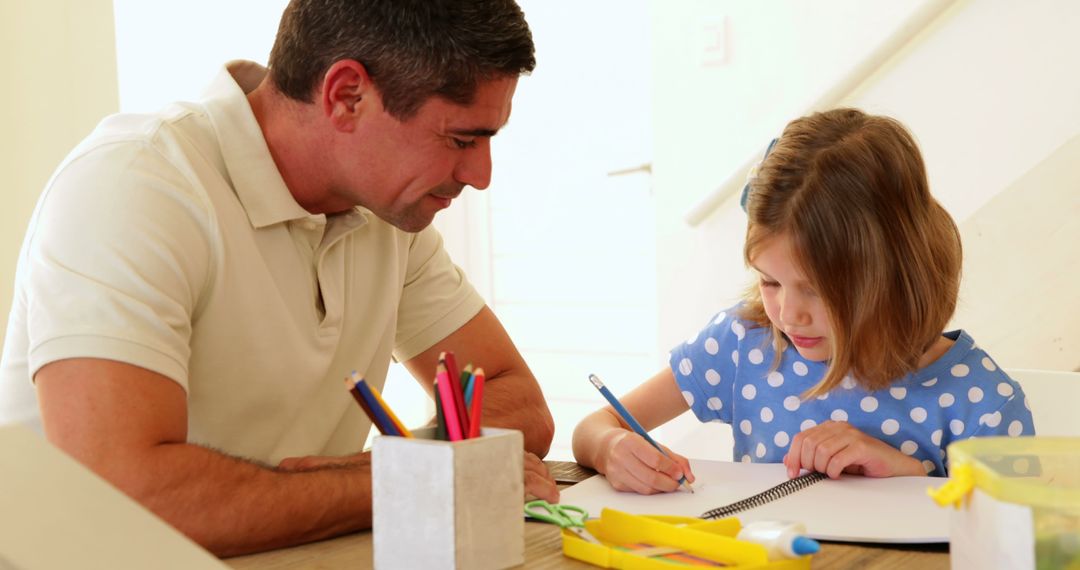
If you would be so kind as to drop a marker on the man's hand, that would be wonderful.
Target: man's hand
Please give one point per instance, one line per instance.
(538, 480)
(838, 447)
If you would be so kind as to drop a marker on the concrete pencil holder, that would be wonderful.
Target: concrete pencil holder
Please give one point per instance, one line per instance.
(441, 504)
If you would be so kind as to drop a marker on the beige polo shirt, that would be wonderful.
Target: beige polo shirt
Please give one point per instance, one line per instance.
(170, 241)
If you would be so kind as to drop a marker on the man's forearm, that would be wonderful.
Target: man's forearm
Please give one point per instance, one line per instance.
(231, 506)
(518, 405)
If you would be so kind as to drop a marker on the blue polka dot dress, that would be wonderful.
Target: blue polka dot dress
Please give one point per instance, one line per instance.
(726, 374)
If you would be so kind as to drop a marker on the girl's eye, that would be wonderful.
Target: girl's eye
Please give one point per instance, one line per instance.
(767, 283)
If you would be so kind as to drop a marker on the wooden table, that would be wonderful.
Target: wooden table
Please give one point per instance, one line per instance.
(543, 549)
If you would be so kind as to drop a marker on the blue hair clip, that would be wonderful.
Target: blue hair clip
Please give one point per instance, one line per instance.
(753, 174)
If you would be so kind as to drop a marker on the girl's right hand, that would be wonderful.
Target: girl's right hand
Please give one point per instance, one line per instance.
(632, 464)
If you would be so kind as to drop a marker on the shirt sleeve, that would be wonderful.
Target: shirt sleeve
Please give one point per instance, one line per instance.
(116, 262)
(437, 298)
(1012, 418)
(705, 369)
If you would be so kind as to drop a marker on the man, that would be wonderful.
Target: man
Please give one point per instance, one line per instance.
(195, 284)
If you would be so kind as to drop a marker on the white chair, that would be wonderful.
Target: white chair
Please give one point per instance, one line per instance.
(1054, 397)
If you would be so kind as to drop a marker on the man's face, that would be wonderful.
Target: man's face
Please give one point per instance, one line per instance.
(405, 172)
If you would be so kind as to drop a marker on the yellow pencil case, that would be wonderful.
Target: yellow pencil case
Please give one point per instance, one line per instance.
(622, 535)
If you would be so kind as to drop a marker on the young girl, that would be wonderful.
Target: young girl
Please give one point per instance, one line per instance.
(836, 360)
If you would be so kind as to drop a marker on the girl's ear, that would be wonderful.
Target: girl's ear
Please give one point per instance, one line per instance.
(347, 93)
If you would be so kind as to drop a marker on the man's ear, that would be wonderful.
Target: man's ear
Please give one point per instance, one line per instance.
(347, 92)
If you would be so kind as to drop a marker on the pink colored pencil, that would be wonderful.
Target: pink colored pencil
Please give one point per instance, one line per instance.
(446, 394)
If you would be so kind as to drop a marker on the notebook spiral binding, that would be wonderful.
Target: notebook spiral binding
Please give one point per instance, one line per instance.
(782, 490)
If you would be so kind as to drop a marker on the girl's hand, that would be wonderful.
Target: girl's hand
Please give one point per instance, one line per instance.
(838, 447)
(632, 464)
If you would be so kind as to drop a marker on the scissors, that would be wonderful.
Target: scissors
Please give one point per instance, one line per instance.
(566, 516)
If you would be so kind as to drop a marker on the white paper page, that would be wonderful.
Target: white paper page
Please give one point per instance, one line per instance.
(55, 513)
(850, 509)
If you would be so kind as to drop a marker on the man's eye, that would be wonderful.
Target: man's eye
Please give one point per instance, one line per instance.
(462, 143)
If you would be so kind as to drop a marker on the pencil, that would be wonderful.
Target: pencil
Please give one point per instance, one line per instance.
(447, 359)
(381, 422)
(466, 385)
(630, 421)
(477, 402)
(378, 411)
(351, 385)
(393, 417)
(440, 416)
(446, 392)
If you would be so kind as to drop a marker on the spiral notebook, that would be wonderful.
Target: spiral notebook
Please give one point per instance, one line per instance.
(848, 509)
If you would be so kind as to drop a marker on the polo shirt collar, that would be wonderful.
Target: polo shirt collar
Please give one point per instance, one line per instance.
(255, 177)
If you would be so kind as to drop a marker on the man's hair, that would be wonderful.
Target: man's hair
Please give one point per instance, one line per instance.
(412, 49)
(850, 192)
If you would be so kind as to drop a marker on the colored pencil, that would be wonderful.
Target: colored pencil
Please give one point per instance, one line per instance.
(447, 359)
(440, 417)
(477, 402)
(351, 385)
(393, 417)
(630, 421)
(378, 411)
(467, 385)
(446, 392)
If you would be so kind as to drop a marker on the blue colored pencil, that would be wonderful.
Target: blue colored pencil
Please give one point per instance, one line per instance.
(381, 417)
(630, 421)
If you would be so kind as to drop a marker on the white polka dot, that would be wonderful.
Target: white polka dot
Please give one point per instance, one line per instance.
(989, 364)
(693, 339)
(791, 403)
(775, 379)
(960, 370)
(868, 404)
(745, 459)
(946, 400)
(781, 439)
(928, 465)
(759, 451)
(918, 414)
(941, 454)
(749, 391)
(746, 427)
(712, 377)
(686, 367)
(1027, 404)
(735, 357)
(890, 426)
(990, 420)
(738, 329)
(848, 382)
(975, 395)
(956, 427)
(807, 424)
(714, 403)
(930, 382)
(898, 393)
(1005, 389)
(720, 318)
(766, 415)
(800, 368)
(755, 356)
(838, 416)
(711, 346)
(935, 437)
(689, 397)
(909, 447)
(1016, 428)
(1021, 466)
(824, 396)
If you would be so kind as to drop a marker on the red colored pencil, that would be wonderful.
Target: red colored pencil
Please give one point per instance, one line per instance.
(477, 402)
(454, 381)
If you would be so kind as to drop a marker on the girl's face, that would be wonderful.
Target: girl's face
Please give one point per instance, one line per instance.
(791, 302)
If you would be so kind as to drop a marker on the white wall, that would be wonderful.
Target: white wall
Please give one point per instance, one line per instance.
(990, 90)
(59, 81)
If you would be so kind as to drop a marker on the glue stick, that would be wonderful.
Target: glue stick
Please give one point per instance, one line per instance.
(780, 538)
